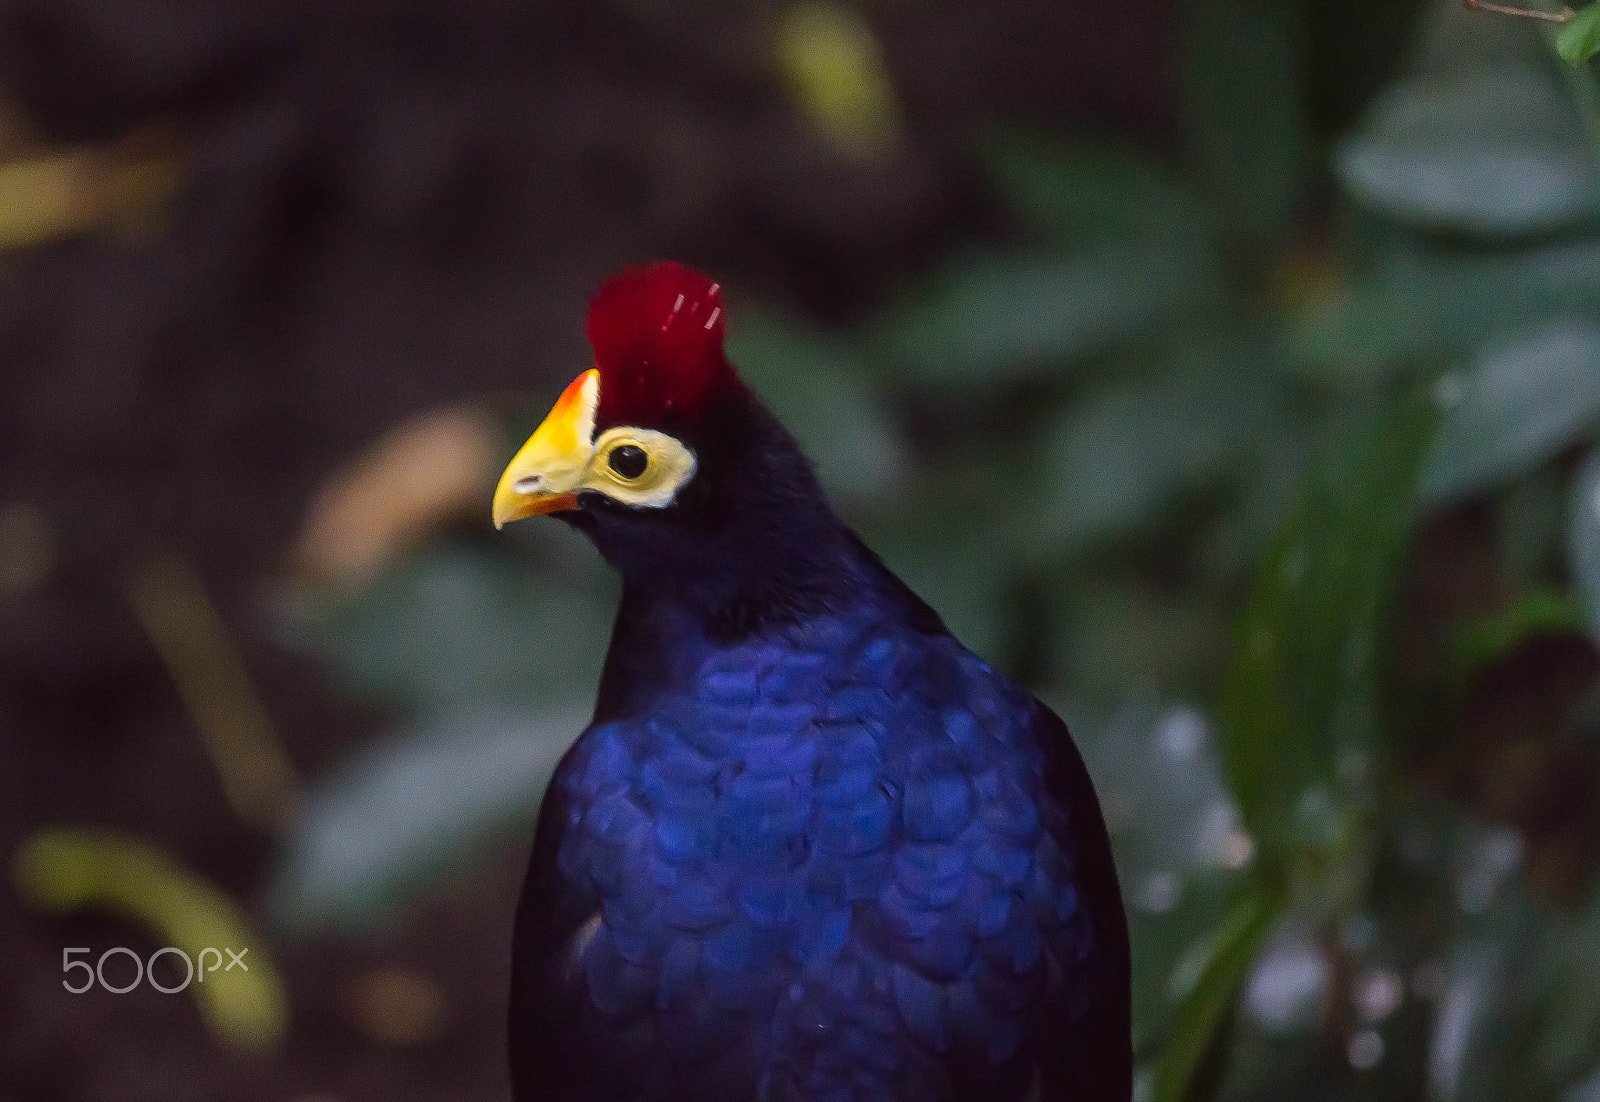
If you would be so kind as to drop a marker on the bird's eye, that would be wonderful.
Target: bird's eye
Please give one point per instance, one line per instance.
(628, 460)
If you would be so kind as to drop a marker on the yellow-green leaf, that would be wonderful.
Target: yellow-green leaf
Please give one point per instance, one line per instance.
(1205, 1005)
(73, 868)
(46, 198)
(1297, 696)
(1579, 40)
(835, 71)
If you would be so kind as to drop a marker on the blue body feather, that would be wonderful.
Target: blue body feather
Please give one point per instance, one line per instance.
(827, 863)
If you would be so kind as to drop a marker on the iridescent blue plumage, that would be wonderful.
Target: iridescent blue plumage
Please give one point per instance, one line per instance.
(828, 861)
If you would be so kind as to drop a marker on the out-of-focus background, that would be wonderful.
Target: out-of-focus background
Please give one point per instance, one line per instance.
(1227, 370)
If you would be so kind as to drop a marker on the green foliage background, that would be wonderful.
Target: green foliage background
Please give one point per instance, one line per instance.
(1176, 452)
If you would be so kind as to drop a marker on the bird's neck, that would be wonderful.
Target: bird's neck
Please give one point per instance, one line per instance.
(665, 633)
(669, 624)
(767, 567)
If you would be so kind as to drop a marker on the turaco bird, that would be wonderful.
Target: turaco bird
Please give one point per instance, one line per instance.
(810, 848)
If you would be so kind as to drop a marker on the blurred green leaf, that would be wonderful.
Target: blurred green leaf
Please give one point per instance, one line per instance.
(1498, 151)
(1212, 995)
(1485, 640)
(1297, 696)
(1579, 40)
(988, 318)
(1086, 193)
(1518, 406)
(402, 814)
(1566, 1033)
(1529, 517)
(69, 868)
(1115, 461)
(1241, 91)
(822, 391)
(1583, 538)
(1255, 508)
(459, 626)
(1419, 307)
(960, 569)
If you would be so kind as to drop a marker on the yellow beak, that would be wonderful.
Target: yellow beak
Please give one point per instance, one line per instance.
(544, 475)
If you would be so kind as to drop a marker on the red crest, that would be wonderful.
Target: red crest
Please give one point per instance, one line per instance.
(657, 336)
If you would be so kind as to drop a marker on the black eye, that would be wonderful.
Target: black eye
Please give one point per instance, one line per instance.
(628, 460)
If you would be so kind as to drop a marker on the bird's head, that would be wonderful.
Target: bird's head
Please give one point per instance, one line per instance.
(659, 451)
(622, 430)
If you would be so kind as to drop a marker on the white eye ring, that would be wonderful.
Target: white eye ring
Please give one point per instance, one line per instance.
(668, 466)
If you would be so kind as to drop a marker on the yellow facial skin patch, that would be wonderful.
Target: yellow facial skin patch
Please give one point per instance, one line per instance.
(560, 461)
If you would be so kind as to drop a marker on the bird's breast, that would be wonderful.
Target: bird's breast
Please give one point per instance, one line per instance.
(823, 863)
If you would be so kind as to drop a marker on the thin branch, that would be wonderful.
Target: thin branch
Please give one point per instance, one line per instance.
(1565, 15)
